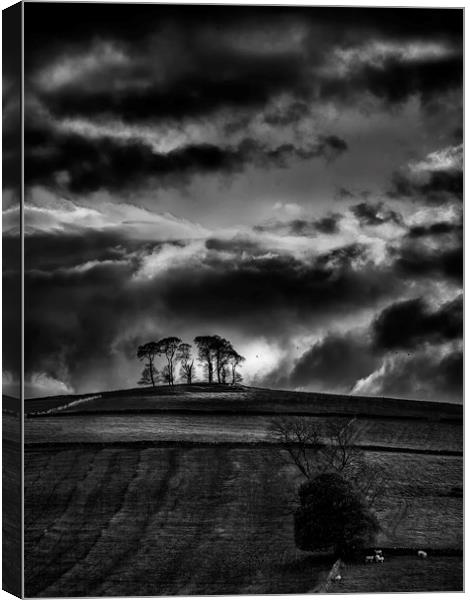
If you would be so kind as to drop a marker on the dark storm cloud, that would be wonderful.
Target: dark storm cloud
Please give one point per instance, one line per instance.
(303, 227)
(440, 228)
(394, 81)
(334, 363)
(48, 251)
(92, 164)
(402, 353)
(68, 325)
(423, 375)
(417, 261)
(219, 74)
(411, 323)
(438, 187)
(375, 214)
(431, 250)
(161, 64)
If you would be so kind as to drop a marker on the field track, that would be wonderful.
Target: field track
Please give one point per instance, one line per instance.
(168, 504)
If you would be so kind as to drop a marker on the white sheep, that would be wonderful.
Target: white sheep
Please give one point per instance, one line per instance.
(378, 552)
(422, 554)
(369, 559)
(379, 559)
(338, 578)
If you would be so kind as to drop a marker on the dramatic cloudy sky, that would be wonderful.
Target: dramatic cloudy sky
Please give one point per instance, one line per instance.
(288, 178)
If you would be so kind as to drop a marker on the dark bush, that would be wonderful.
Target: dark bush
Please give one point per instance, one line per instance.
(332, 515)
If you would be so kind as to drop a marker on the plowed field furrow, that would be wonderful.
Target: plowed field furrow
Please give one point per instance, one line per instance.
(173, 536)
(38, 465)
(98, 499)
(54, 543)
(121, 534)
(240, 528)
(45, 501)
(120, 576)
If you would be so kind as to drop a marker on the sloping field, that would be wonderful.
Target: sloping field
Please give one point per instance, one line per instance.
(194, 501)
(208, 428)
(196, 521)
(159, 521)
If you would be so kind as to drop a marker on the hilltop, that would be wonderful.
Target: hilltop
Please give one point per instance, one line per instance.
(240, 399)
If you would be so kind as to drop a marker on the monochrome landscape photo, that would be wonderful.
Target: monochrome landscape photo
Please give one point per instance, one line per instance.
(243, 300)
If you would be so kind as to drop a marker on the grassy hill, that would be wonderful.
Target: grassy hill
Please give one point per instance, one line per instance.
(239, 399)
(184, 490)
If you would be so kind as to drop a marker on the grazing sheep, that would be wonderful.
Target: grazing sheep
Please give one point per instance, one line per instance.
(369, 559)
(338, 578)
(379, 559)
(422, 554)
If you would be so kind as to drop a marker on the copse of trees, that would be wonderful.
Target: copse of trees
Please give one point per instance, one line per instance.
(217, 355)
(219, 360)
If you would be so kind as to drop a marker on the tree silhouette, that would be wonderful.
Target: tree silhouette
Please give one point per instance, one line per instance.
(165, 377)
(222, 349)
(217, 355)
(186, 360)
(234, 360)
(149, 376)
(204, 345)
(331, 514)
(147, 352)
(168, 347)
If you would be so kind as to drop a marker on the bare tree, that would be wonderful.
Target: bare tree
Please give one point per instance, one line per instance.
(332, 448)
(301, 441)
(147, 353)
(168, 348)
(186, 360)
(341, 452)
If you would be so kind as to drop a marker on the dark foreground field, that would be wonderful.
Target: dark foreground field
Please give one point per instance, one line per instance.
(183, 493)
(403, 574)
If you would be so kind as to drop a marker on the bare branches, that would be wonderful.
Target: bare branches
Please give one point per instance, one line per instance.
(315, 447)
(301, 441)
